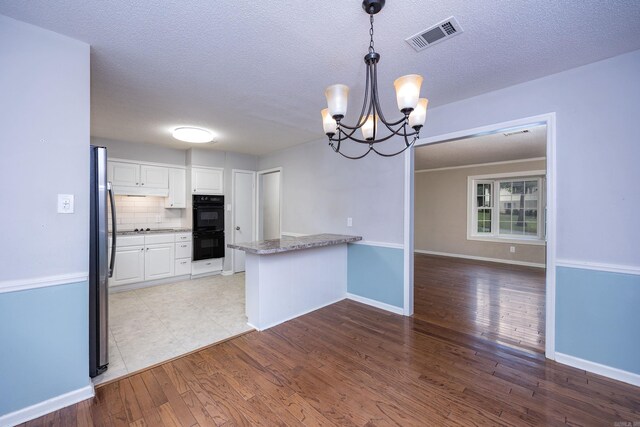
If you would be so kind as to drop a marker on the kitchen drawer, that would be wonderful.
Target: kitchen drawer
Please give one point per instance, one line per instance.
(206, 266)
(183, 237)
(183, 250)
(122, 241)
(183, 266)
(154, 239)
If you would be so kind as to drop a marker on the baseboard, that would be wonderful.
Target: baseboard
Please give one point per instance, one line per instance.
(481, 258)
(597, 368)
(227, 272)
(377, 304)
(271, 325)
(140, 285)
(50, 405)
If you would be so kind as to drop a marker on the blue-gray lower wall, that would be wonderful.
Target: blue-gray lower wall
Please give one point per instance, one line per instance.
(44, 344)
(376, 273)
(598, 317)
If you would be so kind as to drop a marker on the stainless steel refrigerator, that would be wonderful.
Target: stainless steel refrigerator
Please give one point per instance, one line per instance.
(101, 263)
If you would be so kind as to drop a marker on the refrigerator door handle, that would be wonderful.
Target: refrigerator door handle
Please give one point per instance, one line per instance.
(112, 263)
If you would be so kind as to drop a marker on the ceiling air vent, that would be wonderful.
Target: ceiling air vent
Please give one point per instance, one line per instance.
(435, 34)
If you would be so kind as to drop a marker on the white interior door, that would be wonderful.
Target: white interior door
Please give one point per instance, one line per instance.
(269, 204)
(243, 211)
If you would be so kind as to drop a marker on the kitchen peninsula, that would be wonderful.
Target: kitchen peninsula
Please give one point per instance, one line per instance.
(291, 276)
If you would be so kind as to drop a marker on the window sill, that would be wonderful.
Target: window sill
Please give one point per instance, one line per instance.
(494, 239)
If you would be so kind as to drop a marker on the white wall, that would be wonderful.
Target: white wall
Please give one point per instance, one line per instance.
(44, 151)
(321, 189)
(597, 107)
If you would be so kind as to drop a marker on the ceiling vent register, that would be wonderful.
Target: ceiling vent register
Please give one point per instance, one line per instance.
(435, 34)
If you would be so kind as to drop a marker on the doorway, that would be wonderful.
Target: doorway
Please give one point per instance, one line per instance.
(547, 185)
(269, 212)
(243, 213)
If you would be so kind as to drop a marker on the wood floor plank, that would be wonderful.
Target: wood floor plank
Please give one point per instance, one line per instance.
(471, 355)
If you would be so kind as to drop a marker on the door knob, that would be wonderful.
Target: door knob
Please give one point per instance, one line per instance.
(238, 228)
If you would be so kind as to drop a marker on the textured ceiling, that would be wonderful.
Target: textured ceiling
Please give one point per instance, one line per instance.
(483, 149)
(256, 71)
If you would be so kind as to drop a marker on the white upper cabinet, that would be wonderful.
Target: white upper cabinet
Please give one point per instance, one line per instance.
(207, 180)
(138, 180)
(154, 176)
(177, 189)
(124, 174)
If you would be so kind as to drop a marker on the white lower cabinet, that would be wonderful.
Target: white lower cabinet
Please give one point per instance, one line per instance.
(183, 266)
(129, 266)
(141, 258)
(183, 250)
(159, 261)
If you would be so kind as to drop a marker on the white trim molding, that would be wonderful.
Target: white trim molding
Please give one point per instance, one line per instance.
(50, 405)
(597, 368)
(597, 266)
(379, 244)
(505, 162)
(42, 282)
(377, 304)
(481, 258)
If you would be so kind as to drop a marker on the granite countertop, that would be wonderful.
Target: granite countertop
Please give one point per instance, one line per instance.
(287, 244)
(155, 231)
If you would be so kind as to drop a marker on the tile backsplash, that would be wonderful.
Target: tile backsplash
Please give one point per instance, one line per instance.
(146, 212)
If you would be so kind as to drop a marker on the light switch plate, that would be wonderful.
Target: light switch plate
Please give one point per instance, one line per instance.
(65, 203)
(349, 222)
(228, 207)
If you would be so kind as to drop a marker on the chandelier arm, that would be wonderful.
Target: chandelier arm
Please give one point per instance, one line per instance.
(376, 100)
(395, 154)
(356, 157)
(364, 141)
(363, 117)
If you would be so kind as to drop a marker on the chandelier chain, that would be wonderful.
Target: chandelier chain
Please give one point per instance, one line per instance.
(371, 35)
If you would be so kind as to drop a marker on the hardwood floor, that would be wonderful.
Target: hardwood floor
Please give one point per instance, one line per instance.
(500, 302)
(350, 364)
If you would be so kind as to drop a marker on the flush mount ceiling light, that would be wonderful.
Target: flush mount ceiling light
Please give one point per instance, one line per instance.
(408, 98)
(193, 134)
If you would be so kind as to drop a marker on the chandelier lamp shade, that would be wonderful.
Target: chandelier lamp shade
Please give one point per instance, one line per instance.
(372, 127)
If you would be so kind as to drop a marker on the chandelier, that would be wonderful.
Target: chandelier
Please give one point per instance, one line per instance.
(371, 117)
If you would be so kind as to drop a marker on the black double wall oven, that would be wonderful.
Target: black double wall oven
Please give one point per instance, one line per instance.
(208, 227)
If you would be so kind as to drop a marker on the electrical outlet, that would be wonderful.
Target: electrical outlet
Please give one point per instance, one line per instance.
(349, 222)
(512, 249)
(158, 218)
(65, 203)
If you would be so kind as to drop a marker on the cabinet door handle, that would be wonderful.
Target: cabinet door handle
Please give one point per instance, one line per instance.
(183, 246)
(136, 183)
(147, 249)
(142, 183)
(142, 249)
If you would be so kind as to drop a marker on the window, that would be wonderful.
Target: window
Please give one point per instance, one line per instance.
(507, 208)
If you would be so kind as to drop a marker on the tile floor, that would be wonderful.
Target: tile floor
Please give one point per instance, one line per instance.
(154, 324)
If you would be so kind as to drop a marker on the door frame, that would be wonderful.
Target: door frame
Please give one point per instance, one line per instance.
(233, 211)
(549, 120)
(258, 188)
